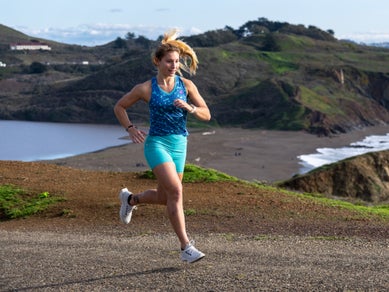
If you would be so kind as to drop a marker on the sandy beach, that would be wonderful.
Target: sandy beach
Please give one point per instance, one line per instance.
(258, 155)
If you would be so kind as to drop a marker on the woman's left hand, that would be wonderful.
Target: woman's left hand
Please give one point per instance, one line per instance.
(182, 104)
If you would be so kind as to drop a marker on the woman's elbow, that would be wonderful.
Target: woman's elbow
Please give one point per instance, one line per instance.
(118, 106)
(207, 117)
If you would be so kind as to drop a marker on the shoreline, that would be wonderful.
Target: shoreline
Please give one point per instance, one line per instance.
(261, 155)
(253, 155)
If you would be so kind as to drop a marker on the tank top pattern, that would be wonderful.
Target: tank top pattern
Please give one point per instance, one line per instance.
(165, 118)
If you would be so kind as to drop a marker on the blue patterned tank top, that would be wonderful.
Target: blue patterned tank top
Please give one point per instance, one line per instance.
(165, 118)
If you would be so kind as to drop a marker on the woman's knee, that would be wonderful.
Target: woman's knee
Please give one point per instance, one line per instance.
(169, 182)
(173, 192)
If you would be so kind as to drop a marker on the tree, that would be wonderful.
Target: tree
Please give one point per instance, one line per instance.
(143, 41)
(270, 43)
(37, 68)
(130, 36)
(119, 43)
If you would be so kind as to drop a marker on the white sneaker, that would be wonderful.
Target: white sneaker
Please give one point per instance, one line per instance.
(125, 208)
(191, 254)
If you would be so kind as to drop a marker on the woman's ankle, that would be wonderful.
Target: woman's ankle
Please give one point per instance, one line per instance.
(133, 200)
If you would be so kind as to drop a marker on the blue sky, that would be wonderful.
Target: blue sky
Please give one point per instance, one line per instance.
(94, 22)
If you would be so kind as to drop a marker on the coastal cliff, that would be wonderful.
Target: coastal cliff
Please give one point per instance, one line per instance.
(364, 177)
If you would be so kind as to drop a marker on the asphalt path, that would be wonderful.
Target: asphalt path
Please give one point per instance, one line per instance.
(114, 261)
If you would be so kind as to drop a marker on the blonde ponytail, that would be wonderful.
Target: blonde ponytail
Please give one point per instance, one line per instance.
(170, 43)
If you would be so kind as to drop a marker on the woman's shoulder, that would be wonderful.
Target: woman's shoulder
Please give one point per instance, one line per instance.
(187, 82)
(143, 89)
(144, 84)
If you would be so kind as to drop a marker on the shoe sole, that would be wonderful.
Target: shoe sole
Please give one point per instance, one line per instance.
(196, 260)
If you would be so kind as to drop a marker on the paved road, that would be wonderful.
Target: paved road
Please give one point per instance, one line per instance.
(49, 261)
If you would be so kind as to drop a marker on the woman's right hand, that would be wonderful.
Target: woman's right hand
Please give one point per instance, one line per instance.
(136, 135)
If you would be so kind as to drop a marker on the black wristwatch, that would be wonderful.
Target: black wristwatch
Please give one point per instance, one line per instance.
(129, 127)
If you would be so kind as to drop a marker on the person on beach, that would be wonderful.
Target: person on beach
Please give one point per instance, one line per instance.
(170, 98)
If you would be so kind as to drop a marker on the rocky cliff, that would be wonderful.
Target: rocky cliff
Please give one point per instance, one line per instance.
(364, 177)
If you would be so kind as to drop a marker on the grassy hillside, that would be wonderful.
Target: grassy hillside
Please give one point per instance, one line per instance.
(9, 35)
(263, 75)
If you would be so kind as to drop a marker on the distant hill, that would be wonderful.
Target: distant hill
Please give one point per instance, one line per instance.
(384, 44)
(270, 75)
(9, 35)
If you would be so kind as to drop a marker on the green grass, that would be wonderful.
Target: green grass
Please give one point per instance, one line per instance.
(280, 62)
(322, 103)
(290, 42)
(189, 212)
(193, 174)
(17, 203)
(361, 210)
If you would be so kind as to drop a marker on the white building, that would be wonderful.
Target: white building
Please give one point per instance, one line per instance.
(3, 64)
(29, 46)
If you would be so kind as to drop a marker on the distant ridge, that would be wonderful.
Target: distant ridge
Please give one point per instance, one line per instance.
(264, 75)
(10, 35)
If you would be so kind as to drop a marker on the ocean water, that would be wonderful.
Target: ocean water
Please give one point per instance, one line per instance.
(330, 155)
(32, 141)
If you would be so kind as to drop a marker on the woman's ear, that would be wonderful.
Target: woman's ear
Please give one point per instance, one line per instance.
(155, 61)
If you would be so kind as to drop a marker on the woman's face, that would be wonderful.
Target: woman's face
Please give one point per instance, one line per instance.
(169, 64)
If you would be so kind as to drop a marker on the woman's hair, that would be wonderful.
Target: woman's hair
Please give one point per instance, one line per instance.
(170, 43)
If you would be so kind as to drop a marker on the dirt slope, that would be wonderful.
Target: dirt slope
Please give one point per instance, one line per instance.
(228, 207)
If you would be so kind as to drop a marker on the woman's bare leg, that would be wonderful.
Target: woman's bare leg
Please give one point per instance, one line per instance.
(152, 196)
(169, 193)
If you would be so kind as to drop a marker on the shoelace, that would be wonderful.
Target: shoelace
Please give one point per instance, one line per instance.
(129, 208)
(191, 243)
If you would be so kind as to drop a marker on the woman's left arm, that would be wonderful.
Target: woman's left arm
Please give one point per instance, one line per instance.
(198, 107)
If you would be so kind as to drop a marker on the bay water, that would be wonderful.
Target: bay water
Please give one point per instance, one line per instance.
(32, 141)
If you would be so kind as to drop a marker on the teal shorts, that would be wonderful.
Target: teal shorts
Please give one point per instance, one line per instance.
(161, 149)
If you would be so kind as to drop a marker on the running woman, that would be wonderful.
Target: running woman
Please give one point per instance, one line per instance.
(170, 98)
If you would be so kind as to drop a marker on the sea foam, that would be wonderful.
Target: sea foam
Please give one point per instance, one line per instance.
(330, 155)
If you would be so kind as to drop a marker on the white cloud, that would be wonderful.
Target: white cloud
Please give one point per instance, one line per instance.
(100, 33)
(366, 37)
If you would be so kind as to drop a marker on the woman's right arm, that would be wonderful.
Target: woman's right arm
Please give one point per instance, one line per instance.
(139, 92)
